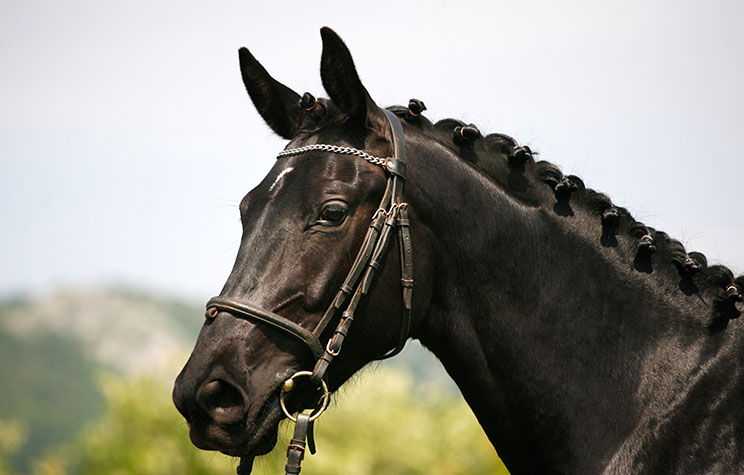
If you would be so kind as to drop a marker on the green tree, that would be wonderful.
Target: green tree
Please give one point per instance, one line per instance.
(140, 433)
(385, 424)
(381, 424)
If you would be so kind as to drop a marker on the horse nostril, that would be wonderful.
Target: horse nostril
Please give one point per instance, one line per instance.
(222, 401)
(218, 393)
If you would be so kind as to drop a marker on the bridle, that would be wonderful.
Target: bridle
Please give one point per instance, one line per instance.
(391, 213)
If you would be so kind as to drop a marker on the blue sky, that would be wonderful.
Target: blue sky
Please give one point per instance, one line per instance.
(127, 138)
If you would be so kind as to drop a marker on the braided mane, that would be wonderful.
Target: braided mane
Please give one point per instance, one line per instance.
(513, 167)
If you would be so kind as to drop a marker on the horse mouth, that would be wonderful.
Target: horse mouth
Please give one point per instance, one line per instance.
(263, 438)
(236, 441)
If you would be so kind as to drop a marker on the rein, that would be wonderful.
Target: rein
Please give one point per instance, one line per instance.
(391, 213)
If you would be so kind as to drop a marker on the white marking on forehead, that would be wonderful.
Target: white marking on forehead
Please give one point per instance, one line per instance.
(280, 176)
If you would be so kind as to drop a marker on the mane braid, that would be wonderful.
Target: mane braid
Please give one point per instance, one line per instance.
(489, 156)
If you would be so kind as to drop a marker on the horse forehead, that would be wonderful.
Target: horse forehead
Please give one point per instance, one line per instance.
(282, 173)
(316, 168)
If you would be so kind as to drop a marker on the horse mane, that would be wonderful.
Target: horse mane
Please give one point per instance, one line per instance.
(512, 167)
(493, 155)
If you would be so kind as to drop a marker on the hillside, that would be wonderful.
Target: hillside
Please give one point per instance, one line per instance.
(119, 329)
(54, 347)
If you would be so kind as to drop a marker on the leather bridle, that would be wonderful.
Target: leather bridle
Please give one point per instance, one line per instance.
(391, 213)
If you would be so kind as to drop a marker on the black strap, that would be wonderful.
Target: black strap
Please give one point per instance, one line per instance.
(399, 144)
(406, 276)
(356, 269)
(277, 321)
(296, 449)
(245, 467)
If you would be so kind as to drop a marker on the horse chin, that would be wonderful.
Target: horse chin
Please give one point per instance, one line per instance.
(264, 436)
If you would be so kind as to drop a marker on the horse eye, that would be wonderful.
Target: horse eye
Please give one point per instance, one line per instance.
(333, 213)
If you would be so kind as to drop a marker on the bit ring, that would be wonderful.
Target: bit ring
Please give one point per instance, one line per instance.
(323, 402)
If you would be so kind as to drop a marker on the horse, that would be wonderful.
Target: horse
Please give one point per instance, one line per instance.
(583, 340)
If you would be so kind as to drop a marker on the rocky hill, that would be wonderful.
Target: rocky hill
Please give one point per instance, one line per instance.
(121, 330)
(53, 348)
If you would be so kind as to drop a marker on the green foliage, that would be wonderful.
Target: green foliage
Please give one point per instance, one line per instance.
(378, 427)
(383, 422)
(48, 387)
(12, 436)
(140, 433)
(51, 347)
(386, 425)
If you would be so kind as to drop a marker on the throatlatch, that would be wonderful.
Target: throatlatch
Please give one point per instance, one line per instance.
(392, 213)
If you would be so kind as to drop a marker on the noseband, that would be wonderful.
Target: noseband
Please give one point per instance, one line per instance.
(391, 213)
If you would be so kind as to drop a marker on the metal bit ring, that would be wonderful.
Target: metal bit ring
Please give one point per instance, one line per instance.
(323, 399)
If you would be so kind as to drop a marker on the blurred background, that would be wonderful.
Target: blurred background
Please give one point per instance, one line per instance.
(127, 141)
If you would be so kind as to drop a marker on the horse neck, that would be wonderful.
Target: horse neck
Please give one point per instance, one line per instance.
(556, 342)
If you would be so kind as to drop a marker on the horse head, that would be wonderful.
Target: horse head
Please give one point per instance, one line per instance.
(314, 235)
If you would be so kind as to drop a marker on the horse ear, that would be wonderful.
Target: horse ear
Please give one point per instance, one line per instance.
(277, 104)
(341, 81)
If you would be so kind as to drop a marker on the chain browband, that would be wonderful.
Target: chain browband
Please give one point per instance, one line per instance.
(391, 213)
(390, 164)
(333, 149)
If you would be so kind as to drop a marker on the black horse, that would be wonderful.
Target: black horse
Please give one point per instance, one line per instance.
(584, 341)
